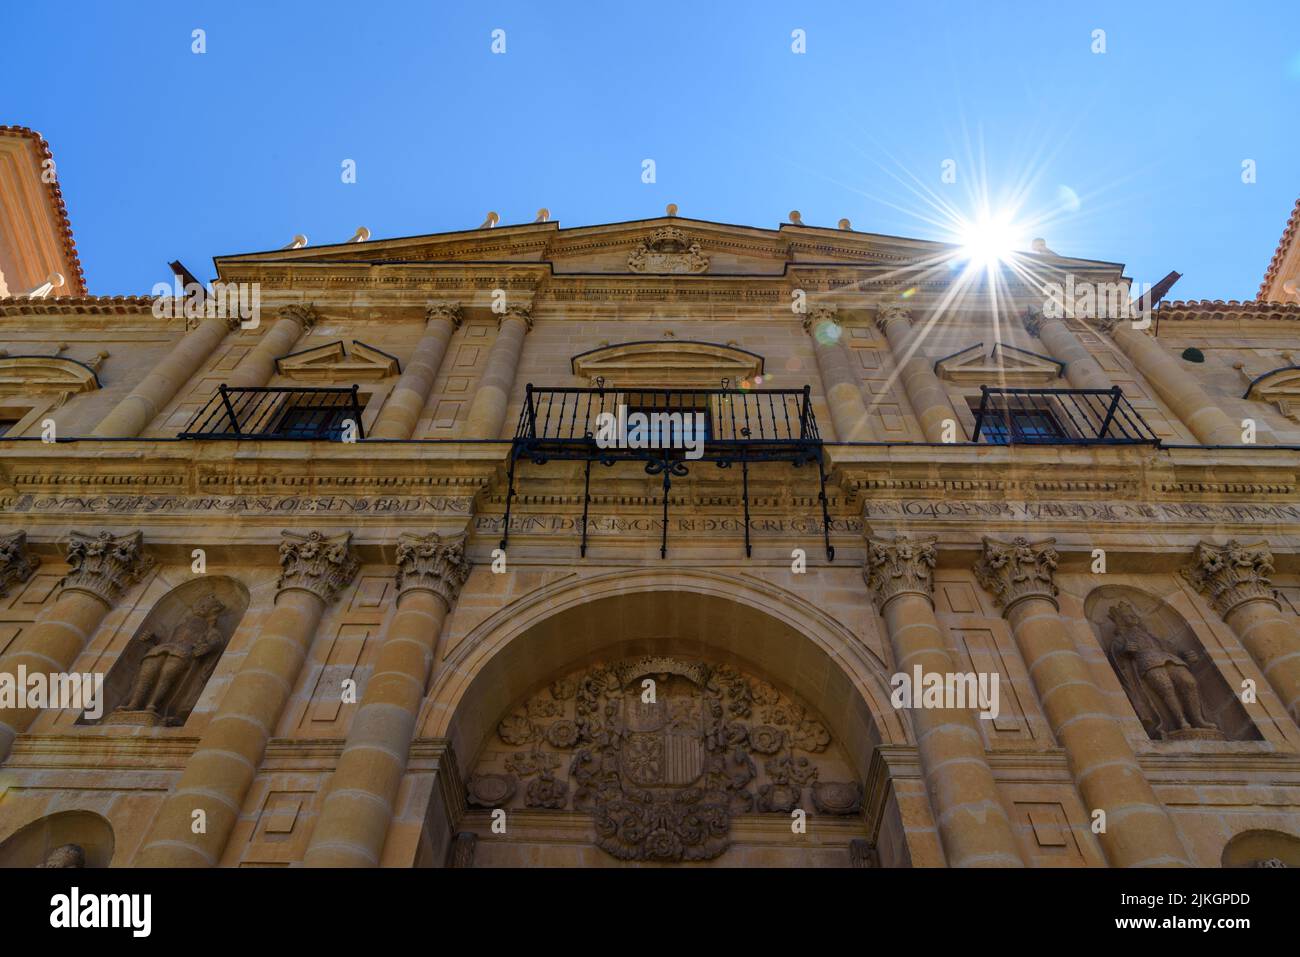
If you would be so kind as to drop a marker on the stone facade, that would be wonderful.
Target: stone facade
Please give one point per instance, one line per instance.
(321, 650)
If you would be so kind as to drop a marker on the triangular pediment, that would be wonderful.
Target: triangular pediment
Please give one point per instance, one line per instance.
(27, 375)
(1003, 363)
(668, 363)
(335, 362)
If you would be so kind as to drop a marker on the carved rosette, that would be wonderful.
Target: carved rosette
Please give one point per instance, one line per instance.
(1019, 569)
(517, 310)
(1232, 574)
(900, 567)
(444, 310)
(305, 315)
(317, 563)
(818, 315)
(431, 563)
(104, 565)
(892, 312)
(16, 562)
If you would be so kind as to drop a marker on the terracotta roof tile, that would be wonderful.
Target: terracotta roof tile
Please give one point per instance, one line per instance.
(76, 281)
(1288, 237)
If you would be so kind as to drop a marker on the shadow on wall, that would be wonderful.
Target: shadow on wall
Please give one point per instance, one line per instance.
(65, 839)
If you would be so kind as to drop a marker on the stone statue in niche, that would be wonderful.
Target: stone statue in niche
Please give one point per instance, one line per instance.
(170, 660)
(65, 856)
(1157, 675)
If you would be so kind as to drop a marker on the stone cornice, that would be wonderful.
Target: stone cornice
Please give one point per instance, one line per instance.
(1231, 574)
(104, 565)
(1018, 570)
(317, 563)
(900, 567)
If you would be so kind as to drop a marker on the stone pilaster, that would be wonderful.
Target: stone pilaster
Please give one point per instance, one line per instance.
(16, 563)
(488, 412)
(1235, 580)
(925, 391)
(973, 824)
(358, 808)
(1081, 369)
(257, 368)
(1021, 577)
(314, 568)
(402, 411)
(102, 566)
(839, 381)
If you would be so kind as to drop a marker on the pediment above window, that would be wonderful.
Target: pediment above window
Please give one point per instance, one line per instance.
(1281, 387)
(1003, 363)
(45, 375)
(335, 362)
(668, 363)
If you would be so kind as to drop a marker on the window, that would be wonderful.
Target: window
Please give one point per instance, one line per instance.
(313, 422)
(7, 425)
(668, 427)
(1009, 426)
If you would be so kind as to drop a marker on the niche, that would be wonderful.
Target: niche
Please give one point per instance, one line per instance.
(66, 839)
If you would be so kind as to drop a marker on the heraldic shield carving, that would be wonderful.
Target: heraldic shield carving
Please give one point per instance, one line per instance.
(663, 753)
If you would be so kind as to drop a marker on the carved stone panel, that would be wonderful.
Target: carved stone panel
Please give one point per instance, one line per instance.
(663, 753)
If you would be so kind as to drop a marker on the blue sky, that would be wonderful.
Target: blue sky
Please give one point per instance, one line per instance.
(165, 154)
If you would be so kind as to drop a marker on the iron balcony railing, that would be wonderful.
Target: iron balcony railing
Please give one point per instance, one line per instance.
(268, 413)
(1059, 417)
(668, 429)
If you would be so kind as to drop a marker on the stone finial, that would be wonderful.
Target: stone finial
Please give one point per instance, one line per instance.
(303, 314)
(889, 312)
(1232, 574)
(1033, 320)
(104, 565)
(517, 310)
(444, 310)
(16, 562)
(1019, 569)
(432, 563)
(298, 241)
(317, 563)
(818, 314)
(900, 567)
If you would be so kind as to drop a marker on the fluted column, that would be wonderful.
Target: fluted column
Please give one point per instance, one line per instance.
(358, 807)
(257, 368)
(102, 567)
(1176, 385)
(402, 410)
(133, 414)
(929, 398)
(488, 412)
(843, 393)
(1081, 369)
(973, 824)
(1139, 832)
(218, 774)
(1234, 578)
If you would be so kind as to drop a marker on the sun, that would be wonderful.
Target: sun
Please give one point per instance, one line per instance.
(990, 240)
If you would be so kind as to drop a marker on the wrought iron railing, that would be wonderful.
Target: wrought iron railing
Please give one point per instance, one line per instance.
(668, 429)
(320, 414)
(1059, 417)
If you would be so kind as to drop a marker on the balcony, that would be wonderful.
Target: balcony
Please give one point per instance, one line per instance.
(320, 415)
(668, 430)
(1059, 417)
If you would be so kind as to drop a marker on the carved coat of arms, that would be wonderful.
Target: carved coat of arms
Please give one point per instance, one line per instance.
(668, 250)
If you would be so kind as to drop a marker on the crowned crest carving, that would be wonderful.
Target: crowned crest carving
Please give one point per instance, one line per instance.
(1231, 574)
(1015, 570)
(17, 563)
(106, 564)
(900, 567)
(432, 563)
(316, 563)
(668, 250)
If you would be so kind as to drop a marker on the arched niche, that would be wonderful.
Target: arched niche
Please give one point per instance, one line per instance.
(158, 677)
(1261, 848)
(1159, 661)
(65, 839)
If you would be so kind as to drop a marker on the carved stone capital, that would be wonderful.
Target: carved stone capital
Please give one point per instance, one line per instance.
(819, 314)
(900, 567)
(1019, 569)
(444, 310)
(16, 562)
(517, 310)
(305, 315)
(317, 563)
(104, 565)
(1033, 320)
(892, 312)
(1232, 574)
(431, 563)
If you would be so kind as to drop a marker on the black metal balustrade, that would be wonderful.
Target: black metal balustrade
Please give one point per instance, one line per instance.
(668, 429)
(1059, 417)
(269, 413)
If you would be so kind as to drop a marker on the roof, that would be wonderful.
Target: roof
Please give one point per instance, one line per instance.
(76, 282)
(1283, 246)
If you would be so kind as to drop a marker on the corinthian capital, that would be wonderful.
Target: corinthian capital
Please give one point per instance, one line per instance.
(444, 310)
(1019, 569)
(892, 312)
(1229, 575)
(900, 567)
(104, 565)
(316, 563)
(1033, 320)
(431, 563)
(305, 315)
(16, 562)
(517, 310)
(818, 314)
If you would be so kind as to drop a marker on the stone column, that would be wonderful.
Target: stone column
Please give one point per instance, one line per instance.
(973, 825)
(358, 807)
(1234, 578)
(133, 414)
(843, 393)
(1139, 831)
(257, 368)
(488, 412)
(102, 567)
(1081, 369)
(1177, 385)
(929, 398)
(218, 774)
(402, 410)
